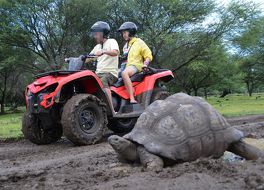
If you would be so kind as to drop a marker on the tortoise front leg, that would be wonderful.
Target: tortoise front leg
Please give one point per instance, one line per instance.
(148, 160)
(245, 150)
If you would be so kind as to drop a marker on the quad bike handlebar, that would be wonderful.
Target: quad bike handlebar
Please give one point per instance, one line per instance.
(82, 57)
(76, 63)
(150, 70)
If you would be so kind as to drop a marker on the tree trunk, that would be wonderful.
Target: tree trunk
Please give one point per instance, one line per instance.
(249, 88)
(195, 92)
(225, 92)
(2, 103)
(205, 93)
(188, 92)
(2, 108)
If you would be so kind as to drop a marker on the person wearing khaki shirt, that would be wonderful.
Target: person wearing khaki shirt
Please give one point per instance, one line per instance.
(107, 51)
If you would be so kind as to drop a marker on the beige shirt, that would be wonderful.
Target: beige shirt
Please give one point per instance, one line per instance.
(107, 63)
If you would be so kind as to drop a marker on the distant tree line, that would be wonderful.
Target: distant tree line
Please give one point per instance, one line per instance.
(212, 49)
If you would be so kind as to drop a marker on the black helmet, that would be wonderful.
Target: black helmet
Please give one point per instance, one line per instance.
(131, 27)
(101, 26)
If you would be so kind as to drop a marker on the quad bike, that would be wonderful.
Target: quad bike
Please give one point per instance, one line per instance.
(73, 102)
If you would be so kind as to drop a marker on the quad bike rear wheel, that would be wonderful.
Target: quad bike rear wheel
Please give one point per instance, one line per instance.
(122, 125)
(33, 130)
(126, 125)
(84, 119)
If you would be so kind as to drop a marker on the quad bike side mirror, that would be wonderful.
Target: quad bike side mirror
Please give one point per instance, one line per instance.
(75, 63)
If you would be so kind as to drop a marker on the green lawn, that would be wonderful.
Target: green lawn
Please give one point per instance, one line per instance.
(231, 105)
(238, 105)
(10, 125)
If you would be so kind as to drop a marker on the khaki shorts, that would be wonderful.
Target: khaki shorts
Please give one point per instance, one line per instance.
(107, 79)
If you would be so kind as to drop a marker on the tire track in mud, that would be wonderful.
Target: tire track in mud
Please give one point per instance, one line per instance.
(62, 165)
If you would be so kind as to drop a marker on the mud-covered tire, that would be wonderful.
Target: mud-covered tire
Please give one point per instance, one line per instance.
(122, 125)
(126, 125)
(159, 94)
(84, 119)
(34, 132)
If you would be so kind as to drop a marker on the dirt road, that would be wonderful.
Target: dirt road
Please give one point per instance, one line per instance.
(24, 165)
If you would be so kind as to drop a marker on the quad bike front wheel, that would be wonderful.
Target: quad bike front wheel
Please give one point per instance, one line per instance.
(84, 119)
(34, 131)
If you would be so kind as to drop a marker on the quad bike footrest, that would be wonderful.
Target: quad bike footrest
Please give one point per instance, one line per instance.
(131, 108)
(133, 114)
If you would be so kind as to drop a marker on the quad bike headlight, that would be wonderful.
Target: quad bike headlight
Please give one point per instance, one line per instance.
(47, 96)
(50, 88)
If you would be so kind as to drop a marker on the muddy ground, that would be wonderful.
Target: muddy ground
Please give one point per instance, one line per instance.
(62, 165)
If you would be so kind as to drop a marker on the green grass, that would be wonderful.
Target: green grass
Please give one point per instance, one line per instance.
(238, 105)
(10, 125)
(231, 105)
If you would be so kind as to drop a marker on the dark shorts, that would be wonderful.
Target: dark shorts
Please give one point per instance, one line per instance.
(107, 79)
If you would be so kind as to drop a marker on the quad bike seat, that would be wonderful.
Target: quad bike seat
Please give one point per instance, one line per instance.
(138, 77)
(135, 78)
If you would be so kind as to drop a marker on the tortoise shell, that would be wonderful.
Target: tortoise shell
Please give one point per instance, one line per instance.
(183, 127)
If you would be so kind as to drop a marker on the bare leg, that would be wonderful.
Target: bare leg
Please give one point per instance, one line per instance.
(109, 94)
(245, 150)
(148, 160)
(126, 74)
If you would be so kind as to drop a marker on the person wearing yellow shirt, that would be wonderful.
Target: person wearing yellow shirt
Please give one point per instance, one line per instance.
(138, 56)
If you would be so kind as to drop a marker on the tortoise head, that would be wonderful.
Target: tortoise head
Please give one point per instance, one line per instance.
(118, 143)
(125, 148)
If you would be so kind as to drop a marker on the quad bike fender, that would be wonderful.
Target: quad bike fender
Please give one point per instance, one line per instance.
(145, 86)
(87, 79)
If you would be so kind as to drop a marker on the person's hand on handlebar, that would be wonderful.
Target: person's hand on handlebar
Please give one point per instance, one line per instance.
(145, 67)
(87, 58)
(99, 53)
(109, 53)
(146, 62)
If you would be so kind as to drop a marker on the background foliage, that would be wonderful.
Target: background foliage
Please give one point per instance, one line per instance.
(212, 49)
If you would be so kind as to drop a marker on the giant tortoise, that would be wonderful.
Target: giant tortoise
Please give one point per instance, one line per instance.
(178, 129)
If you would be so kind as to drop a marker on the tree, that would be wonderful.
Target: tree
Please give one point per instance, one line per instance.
(250, 46)
(51, 29)
(176, 30)
(252, 74)
(182, 35)
(204, 72)
(11, 72)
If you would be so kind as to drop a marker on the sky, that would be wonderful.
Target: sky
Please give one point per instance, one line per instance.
(260, 2)
(213, 18)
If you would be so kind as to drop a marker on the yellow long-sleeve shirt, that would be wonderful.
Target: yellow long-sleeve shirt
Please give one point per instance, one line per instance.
(138, 53)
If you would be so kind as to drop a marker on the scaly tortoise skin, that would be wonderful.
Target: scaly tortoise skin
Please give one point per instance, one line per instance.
(180, 128)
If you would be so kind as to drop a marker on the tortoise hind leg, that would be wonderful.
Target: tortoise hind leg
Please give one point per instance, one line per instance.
(245, 150)
(148, 160)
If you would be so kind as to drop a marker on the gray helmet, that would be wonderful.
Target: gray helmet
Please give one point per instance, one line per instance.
(131, 27)
(101, 26)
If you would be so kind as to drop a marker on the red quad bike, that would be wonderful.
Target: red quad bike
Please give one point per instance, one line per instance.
(72, 102)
